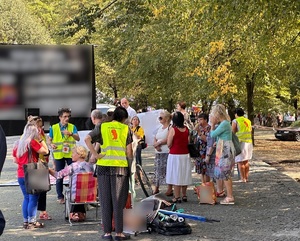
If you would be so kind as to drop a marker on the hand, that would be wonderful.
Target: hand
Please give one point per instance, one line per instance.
(92, 159)
(100, 155)
(207, 159)
(158, 148)
(53, 146)
(67, 133)
(157, 144)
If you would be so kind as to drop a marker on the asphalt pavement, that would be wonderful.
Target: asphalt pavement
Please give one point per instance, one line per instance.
(267, 208)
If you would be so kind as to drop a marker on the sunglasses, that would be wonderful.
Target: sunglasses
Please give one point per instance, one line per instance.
(160, 118)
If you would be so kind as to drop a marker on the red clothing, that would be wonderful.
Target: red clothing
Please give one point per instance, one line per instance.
(35, 146)
(180, 142)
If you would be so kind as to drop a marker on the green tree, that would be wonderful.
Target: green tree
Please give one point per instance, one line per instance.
(17, 25)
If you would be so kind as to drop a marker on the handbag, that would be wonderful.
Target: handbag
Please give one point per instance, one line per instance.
(143, 143)
(236, 144)
(36, 176)
(193, 150)
(206, 193)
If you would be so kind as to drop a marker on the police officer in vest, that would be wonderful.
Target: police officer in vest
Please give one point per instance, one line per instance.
(62, 137)
(242, 127)
(113, 169)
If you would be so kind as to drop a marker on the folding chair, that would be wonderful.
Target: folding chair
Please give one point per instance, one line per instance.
(86, 193)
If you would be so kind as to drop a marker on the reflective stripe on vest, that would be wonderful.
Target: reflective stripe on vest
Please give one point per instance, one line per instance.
(59, 140)
(114, 135)
(244, 129)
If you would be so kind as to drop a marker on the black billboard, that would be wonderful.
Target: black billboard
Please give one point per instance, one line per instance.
(41, 79)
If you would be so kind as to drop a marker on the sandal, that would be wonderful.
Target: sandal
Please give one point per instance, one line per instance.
(227, 201)
(36, 225)
(176, 200)
(81, 217)
(155, 192)
(184, 198)
(220, 194)
(74, 217)
(169, 194)
(25, 225)
(45, 216)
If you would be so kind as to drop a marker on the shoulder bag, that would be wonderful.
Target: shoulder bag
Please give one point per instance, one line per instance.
(236, 144)
(193, 150)
(36, 176)
(142, 142)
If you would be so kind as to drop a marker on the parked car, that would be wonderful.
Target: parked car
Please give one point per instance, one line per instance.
(105, 107)
(291, 133)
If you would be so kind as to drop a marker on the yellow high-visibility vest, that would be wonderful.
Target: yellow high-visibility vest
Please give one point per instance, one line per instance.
(59, 141)
(244, 131)
(114, 135)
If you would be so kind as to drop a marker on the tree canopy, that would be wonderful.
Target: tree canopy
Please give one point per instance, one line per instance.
(156, 52)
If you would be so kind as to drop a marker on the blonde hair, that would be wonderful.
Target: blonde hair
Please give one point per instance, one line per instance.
(219, 111)
(33, 119)
(82, 152)
(30, 132)
(167, 115)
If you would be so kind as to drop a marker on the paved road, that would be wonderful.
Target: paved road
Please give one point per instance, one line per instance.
(267, 208)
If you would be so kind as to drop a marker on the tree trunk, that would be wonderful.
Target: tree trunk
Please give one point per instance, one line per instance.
(250, 97)
(231, 108)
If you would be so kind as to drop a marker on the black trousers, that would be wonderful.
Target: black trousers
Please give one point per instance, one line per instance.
(42, 201)
(113, 192)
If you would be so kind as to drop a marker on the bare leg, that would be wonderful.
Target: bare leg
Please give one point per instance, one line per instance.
(246, 164)
(177, 191)
(228, 185)
(220, 185)
(207, 178)
(156, 190)
(242, 170)
(169, 190)
(184, 188)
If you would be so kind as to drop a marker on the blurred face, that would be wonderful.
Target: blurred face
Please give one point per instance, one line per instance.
(135, 121)
(202, 121)
(75, 155)
(124, 103)
(64, 118)
(178, 107)
(162, 118)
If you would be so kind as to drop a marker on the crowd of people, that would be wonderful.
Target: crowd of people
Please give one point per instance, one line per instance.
(115, 143)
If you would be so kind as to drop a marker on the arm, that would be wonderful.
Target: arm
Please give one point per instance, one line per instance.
(62, 173)
(129, 151)
(140, 133)
(234, 126)
(69, 133)
(44, 148)
(218, 131)
(88, 142)
(76, 136)
(97, 148)
(170, 137)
